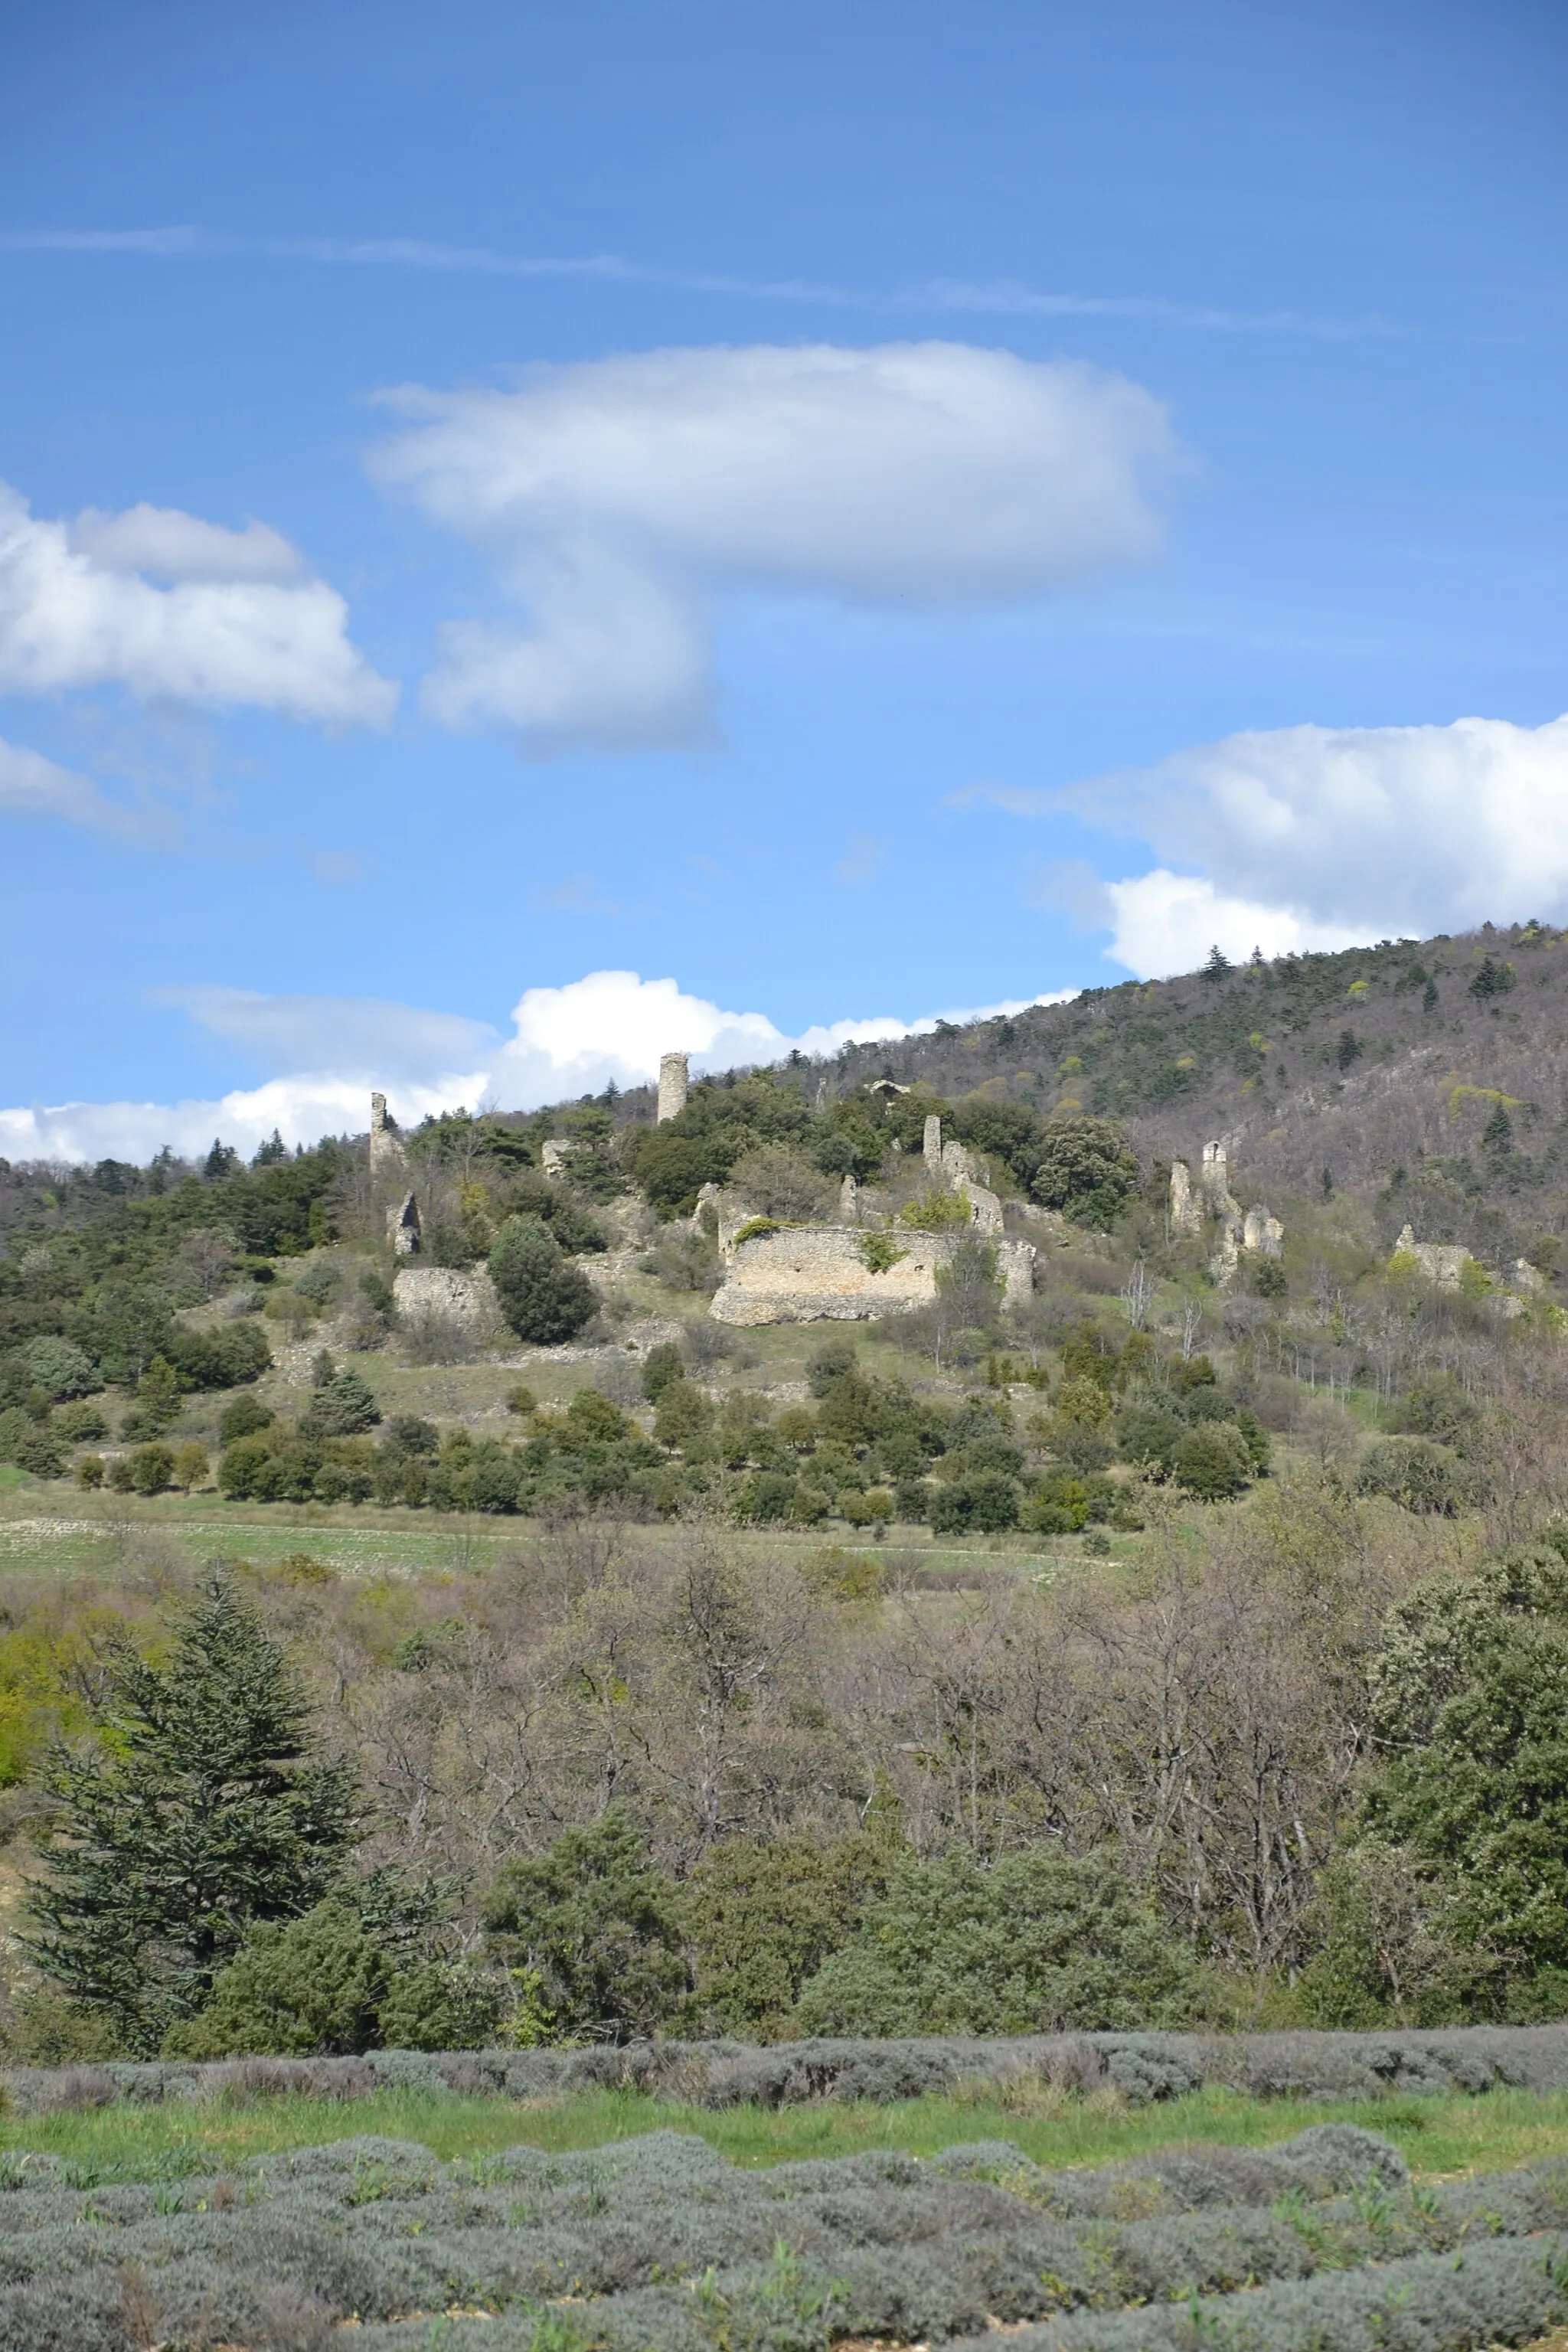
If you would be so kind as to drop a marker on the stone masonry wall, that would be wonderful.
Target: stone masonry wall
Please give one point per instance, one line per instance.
(809, 1273)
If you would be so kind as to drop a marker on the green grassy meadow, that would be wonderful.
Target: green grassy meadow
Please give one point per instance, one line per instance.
(1439, 2138)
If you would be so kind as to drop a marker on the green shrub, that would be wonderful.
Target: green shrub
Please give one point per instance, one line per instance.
(80, 1422)
(986, 1503)
(1033, 1943)
(600, 1926)
(661, 1365)
(1213, 1462)
(1419, 1475)
(242, 1417)
(58, 1370)
(544, 1297)
(224, 1356)
(152, 1468)
(441, 2005)
(313, 1984)
(763, 1918)
(1085, 1168)
(937, 1212)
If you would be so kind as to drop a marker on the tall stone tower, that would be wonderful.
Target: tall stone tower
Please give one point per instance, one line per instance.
(674, 1078)
(385, 1144)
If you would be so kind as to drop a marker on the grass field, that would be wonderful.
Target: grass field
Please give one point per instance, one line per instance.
(49, 1529)
(1439, 2138)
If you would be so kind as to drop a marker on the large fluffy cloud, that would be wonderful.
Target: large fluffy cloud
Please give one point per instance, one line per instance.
(615, 496)
(1320, 837)
(327, 1051)
(165, 605)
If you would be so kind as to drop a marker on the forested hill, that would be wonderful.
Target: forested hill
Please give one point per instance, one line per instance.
(1435, 1069)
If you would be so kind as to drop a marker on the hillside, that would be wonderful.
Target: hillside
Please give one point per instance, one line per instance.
(1111, 1587)
(1383, 1067)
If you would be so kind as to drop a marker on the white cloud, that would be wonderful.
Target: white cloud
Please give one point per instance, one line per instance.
(1163, 922)
(301, 1108)
(238, 621)
(616, 496)
(1320, 837)
(566, 1041)
(352, 1035)
(167, 544)
(31, 785)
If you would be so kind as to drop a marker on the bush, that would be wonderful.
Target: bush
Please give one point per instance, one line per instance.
(1086, 1168)
(152, 1468)
(545, 1298)
(81, 1422)
(661, 1365)
(1419, 1475)
(314, 1984)
(1213, 1462)
(32, 1446)
(986, 1503)
(58, 1370)
(1034, 1943)
(191, 1466)
(222, 1358)
(763, 1918)
(600, 1926)
(242, 1418)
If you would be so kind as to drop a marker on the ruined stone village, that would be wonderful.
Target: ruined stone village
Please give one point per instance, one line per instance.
(849, 1269)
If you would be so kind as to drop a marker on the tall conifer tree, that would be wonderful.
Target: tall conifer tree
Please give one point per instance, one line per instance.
(202, 1810)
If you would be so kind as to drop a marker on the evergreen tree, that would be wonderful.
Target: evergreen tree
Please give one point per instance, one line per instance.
(544, 1297)
(600, 1927)
(202, 1811)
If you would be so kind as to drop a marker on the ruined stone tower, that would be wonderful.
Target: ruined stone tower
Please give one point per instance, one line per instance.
(385, 1144)
(674, 1078)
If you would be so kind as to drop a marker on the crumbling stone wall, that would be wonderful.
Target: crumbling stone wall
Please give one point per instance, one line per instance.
(809, 1273)
(403, 1227)
(1256, 1230)
(467, 1299)
(1442, 1262)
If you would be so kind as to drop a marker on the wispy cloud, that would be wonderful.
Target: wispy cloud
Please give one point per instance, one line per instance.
(861, 859)
(995, 297)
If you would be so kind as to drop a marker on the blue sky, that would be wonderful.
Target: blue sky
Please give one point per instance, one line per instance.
(850, 511)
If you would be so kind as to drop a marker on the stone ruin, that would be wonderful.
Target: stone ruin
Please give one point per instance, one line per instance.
(386, 1152)
(389, 1163)
(1446, 1264)
(403, 1228)
(674, 1084)
(840, 1272)
(1255, 1232)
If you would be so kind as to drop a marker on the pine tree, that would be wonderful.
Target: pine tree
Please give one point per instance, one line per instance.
(202, 1810)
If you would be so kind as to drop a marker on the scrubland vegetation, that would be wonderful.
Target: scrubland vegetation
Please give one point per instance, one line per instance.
(1161, 1656)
